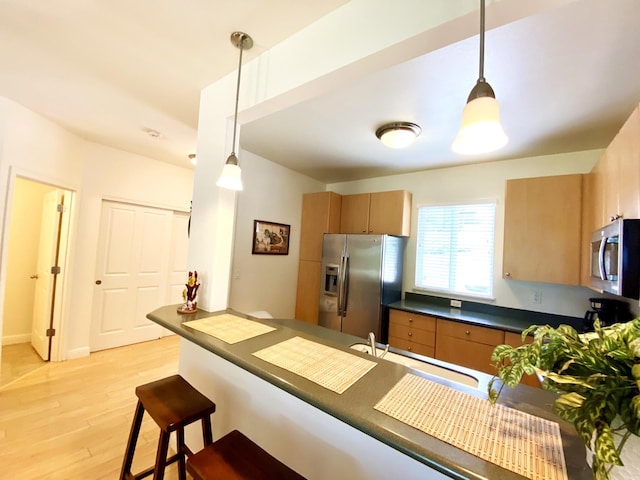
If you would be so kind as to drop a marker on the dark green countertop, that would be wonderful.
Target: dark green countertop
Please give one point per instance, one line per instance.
(502, 318)
(355, 405)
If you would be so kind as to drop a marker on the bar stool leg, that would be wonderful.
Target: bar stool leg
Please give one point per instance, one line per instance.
(131, 444)
(182, 448)
(161, 455)
(207, 436)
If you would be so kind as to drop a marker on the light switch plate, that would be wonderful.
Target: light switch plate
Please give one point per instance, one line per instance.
(456, 303)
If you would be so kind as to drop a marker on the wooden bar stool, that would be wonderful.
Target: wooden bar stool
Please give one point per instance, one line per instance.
(173, 404)
(235, 457)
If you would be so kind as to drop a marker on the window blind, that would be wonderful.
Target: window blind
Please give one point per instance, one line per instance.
(455, 246)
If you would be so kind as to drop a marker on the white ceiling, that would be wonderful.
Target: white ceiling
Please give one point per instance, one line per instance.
(566, 80)
(110, 70)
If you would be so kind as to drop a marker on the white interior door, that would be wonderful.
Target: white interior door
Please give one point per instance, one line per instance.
(47, 255)
(131, 273)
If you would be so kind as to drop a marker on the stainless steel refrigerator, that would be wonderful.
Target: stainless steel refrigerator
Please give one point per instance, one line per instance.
(360, 275)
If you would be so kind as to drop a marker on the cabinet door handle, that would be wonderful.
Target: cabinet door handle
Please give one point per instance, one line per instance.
(507, 274)
(467, 332)
(410, 334)
(411, 320)
(409, 348)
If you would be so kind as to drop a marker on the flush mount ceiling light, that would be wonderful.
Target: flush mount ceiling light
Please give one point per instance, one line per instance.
(480, 130)
(398, 134)
(231, 177)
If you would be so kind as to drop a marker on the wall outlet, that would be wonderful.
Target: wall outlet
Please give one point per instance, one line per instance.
(456, 303)
(537, 298)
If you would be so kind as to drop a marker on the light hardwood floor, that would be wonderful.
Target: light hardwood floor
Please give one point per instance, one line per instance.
(71, 420)
(18, 360)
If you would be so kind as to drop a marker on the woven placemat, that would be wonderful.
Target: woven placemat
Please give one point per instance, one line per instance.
(329, 367)
(229, 328)
(525, 444)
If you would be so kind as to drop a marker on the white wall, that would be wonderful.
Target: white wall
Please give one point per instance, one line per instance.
(115, 175)
(272, 193)
(486, 181)
(36, 148)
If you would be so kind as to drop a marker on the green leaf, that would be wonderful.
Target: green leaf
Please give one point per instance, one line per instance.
(605, 447)
(500, 352)
(568, 406)
(634, 346)
(635, 371)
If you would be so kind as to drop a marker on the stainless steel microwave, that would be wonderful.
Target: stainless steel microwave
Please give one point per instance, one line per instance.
(615, 258)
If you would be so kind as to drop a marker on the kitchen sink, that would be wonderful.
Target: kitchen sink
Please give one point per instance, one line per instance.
(420, 363)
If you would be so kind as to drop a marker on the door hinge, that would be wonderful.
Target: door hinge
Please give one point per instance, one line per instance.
(51, 332)
(60, 208)
(55, 270)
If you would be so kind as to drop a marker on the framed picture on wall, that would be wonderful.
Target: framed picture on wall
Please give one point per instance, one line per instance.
(270, 238)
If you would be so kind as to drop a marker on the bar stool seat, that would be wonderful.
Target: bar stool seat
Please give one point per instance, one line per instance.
(236, 457)
(173, 404)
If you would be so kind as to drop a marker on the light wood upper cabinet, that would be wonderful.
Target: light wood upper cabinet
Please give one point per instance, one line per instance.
(619, 173)
(612, 188)
(320, 215)
(354, 216)
(542, 229)
(377, 213)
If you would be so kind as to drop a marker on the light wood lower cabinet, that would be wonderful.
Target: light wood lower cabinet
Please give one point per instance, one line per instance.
(459, 343)
(467, 345)
(412, 332)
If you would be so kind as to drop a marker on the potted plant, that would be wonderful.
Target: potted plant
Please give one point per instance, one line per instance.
(597, 375)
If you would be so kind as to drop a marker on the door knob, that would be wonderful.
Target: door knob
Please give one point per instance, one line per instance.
(35, 276)
(98, 282)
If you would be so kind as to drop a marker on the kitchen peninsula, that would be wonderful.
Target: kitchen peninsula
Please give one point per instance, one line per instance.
(326, 435)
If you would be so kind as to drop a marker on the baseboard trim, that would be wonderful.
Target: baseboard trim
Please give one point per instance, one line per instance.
(78, 353)
(15, 339)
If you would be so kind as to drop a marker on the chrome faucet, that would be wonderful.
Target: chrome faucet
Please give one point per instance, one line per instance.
(372, 345)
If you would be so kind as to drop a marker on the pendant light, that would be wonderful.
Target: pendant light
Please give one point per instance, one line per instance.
(480, 131)
(231, 174)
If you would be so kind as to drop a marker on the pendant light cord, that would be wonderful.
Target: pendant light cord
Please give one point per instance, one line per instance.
(235, 115)
(481, 71)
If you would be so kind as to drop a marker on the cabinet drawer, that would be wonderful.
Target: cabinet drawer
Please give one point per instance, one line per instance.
(414, 320)
(413, 347)
(473, 333)
(465, 353)
(415, 335)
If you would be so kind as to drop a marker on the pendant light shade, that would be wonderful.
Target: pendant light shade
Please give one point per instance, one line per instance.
(480, 130)
(231, 177)
(398, 134)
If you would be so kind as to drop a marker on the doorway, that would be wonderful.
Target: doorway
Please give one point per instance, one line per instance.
(38, 233)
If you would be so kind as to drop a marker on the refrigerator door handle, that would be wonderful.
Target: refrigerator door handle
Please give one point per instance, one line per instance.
(344, 284)
(339, 293)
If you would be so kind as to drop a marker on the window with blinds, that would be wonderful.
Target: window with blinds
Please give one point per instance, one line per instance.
(454, 252)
